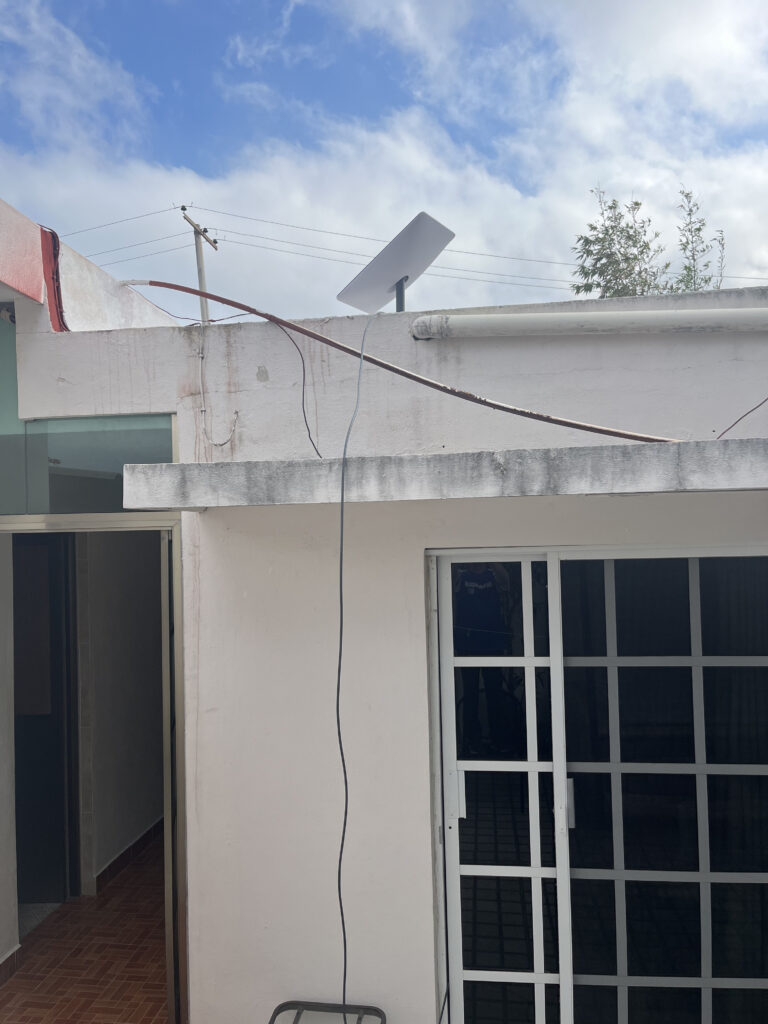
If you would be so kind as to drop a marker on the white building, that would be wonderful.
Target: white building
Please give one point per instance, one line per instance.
(554, 694)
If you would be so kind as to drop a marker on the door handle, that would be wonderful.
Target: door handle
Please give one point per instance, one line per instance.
(571, 803)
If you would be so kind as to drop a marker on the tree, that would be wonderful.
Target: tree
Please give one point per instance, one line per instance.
(620, 254)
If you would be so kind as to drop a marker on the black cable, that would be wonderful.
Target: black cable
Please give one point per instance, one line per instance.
(303, 387)
(442, 1008)
(157, 252)
(111, 223)
(742, 417)
(338, 669)
(134, 245)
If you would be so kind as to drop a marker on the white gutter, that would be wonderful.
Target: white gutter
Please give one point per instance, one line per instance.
(646, 321)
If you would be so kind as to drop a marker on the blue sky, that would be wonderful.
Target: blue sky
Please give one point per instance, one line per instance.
(496, 116)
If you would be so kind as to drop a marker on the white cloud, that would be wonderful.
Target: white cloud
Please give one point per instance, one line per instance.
(632, 133)
(65, 93)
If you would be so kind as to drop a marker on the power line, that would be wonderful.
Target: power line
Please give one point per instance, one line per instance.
(134, 245)
(368, 256)
(369, 238)
(356, 263)
(158, 252)
(111, 223)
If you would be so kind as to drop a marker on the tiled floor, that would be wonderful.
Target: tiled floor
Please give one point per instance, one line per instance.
(97, 960)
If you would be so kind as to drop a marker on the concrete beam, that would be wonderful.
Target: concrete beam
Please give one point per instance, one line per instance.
(737, 465)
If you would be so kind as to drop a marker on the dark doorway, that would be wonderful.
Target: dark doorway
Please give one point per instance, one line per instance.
(44, 719)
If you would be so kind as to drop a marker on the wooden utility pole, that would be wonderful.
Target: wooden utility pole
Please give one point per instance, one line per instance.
(200, 234)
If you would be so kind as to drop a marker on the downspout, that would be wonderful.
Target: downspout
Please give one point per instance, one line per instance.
(647, 321)
(51, 249)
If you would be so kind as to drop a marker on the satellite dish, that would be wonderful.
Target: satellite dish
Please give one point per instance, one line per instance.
(397, 266)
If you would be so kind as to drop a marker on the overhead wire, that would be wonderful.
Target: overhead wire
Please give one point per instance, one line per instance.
(111, 223)
(134, 245)
(400, 371)
(144, 255)
(357, 263)
(339, 735)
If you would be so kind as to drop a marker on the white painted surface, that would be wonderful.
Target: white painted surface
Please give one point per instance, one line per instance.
(263, 778)
(9, 925)
(690, 389)
(599, 469)
(120, 645)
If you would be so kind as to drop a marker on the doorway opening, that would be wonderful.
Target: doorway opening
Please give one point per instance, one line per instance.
(92, 762)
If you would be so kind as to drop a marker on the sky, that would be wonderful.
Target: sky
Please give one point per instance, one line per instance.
(305, 134)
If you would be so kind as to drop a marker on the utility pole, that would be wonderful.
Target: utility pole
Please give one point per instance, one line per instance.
(200, 234)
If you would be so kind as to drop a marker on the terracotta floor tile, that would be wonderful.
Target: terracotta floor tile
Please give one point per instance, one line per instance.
(97, 960)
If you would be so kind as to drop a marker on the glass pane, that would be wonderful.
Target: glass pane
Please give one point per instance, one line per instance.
(665, 1006)
(490, 714)
(656, 714)
(586, 714)
(552, 1004)
(663, 929)
(77, 465)
(734, 596)
(739, 930)
(583, 597)
(591, 840)
(745, 1006)
(652, 615)
(497, 925)
(660, 822)
(487, 609)
(547, 819)
(593, 909)
(487, 1002)
(13, 493)
(595, 1004)
(543, 714)
(496, 829)
(736, 715)
(549, 902)
(738, 822)
(540, 610)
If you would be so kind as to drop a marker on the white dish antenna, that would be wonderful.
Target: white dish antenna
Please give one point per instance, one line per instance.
(397, 266)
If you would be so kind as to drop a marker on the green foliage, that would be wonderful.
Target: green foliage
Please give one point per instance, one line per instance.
(621, 255)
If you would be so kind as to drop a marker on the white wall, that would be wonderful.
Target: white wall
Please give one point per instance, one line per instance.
(264, 790)
(690, 387)
(9, 924)
(120, 693)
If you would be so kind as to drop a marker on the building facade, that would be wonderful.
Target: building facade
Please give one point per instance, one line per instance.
(553, 695)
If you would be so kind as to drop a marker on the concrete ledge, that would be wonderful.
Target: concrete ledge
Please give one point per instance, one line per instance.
(738, 465)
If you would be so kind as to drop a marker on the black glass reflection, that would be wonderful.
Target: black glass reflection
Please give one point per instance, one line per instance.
(547, 819)
(593, 910)
(734, 598)
(739, 1006)
(490, 714)
(739, 930)
(665, 1006)
(663, 929)
(488, 1002)
(487, 609)
(595, 1004)
(497, 924)
(543, 714)
(656, 714)
(652, 614)
(552, 1004)
(583, 598)
(591, 838)
(549, 906)
(738, 822)
(736, 715)
(586, 714)
(496, 829)
(660, 822)
(540, 609)
(13, 493)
